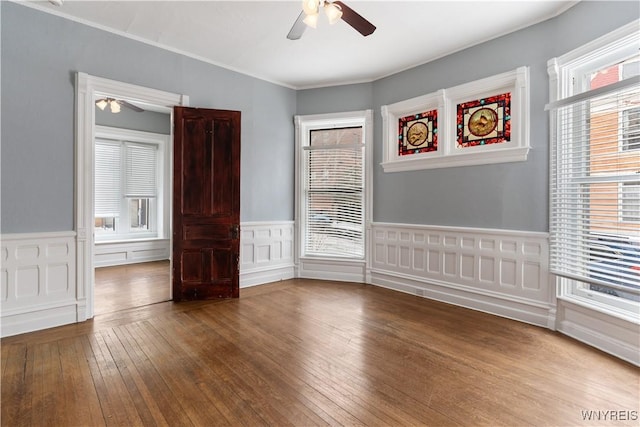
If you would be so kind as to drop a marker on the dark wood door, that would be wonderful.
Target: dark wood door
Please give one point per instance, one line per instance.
(206, 204)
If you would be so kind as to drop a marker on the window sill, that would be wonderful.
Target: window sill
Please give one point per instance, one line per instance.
(472, 157)
(333, 260)
(136, 240)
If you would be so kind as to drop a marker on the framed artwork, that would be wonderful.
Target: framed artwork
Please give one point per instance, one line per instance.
(481, 122)
(412, 131)
(484, 121)
(418, 133)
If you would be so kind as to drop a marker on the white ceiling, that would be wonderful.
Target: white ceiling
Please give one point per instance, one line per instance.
(250, 36)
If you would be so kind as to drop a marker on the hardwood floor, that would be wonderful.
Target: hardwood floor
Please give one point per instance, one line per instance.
(132, 285)
(306, 353)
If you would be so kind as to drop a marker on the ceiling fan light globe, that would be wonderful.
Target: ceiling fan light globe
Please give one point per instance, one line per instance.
(333, 13)
(311, 7)
(311, 20)
(101, 104)
(115, 107)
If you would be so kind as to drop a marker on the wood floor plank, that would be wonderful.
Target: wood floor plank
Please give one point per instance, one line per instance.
(262, 382)
(309, 353)
(140, 396)
(16, 390)
(176, 373)
(324, 361)
(163, 398)
(366, 410)
(229, 387)
(116, 402)
(330, 412)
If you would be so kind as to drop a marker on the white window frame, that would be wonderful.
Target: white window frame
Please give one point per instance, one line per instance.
(566, 79)
(303, 126)
(161, 215)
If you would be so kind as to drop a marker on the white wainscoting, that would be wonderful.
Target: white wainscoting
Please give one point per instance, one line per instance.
(496, 271)
(119, 253)
(266, 252)
(38, 283)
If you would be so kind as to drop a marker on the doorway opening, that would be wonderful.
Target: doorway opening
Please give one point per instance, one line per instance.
(90, 89)
(132, 200)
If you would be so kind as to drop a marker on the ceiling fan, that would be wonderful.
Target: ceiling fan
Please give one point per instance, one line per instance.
(115, 104)
(335, 10)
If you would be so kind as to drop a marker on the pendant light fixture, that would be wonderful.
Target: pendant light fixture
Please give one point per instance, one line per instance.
(115, 105)
(311, 9)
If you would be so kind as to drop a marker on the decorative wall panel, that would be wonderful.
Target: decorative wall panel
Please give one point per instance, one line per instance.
(266, 252)
(501, 272)
(38, 287)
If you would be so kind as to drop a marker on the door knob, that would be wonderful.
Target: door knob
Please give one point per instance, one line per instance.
(235, 231)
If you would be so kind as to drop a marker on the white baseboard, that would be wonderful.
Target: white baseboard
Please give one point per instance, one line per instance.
(107, 254)
(496, 271)
(270, 275)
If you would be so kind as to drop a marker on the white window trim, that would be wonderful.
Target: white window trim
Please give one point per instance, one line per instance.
(304, 124)
(161, 226)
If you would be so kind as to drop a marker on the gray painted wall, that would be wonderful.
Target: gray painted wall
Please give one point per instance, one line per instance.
(41, 54)
(335, 99)
(146, 121)
(502, 196)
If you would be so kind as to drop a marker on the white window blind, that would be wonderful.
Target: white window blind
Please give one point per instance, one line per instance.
(334, 193)
(107, 179)
(590, 239)
(141, 163)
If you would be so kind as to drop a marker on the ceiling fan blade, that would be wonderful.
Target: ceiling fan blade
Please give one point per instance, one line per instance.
(298, 28)
(354, 19)
(129, 105)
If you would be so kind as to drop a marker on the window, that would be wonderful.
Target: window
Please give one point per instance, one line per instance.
(630, 202)
(128, 184)
(595, 162)
(631, 129)
(332, 186)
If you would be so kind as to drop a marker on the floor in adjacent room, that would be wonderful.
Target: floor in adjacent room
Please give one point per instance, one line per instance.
(123, 287)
